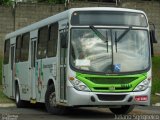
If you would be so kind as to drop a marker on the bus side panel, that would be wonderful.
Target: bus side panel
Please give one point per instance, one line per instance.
(6, 80)
(22, 72)
(45, 70)
(8, 71)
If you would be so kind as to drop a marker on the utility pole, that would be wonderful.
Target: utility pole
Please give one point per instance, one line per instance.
(14, 14)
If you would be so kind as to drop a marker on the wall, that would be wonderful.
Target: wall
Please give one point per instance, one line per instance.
(25, 14)
(152, 9)
(6, 23)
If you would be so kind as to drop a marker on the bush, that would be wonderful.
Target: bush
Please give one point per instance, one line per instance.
(155, 74)
(0, 70)
(5, 2)
(52, 1)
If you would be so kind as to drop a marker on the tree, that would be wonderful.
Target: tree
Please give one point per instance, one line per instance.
(52, 1)
(5, 2)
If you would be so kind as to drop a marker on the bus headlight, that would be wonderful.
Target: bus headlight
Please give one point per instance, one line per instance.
(142, 86)
(79, 85)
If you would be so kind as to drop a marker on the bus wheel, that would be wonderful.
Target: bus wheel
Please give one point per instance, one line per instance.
(19, 102)
(50, 101)
(122, 110)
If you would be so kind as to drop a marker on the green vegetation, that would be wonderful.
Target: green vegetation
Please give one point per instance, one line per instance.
(156, 74)
(155, 99)
(0, 70)
(5, 2)
(52, 1)
(3, 98)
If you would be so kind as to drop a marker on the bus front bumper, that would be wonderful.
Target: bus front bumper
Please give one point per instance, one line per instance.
(80, 98)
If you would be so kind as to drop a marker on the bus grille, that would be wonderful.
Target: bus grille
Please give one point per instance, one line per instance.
(110, 97)
(112, 88)
(112, 80)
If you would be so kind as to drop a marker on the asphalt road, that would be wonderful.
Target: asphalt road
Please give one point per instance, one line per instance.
(39, 113)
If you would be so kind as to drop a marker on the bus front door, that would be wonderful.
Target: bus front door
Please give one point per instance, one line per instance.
(32, 70)
(63, 51)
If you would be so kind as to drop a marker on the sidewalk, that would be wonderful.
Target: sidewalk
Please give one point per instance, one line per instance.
(157, 104)
(7, 105)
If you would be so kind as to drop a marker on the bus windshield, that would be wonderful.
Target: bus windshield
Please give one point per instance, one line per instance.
(119, 50)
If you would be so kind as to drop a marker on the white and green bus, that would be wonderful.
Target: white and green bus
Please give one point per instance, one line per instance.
(81, 57)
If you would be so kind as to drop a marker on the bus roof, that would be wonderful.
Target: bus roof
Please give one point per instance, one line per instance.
(105, 9)
(64, 15)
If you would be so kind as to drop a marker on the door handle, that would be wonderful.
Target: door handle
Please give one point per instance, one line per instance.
(62, 65)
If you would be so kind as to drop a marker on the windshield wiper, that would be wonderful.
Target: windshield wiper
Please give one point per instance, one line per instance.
(97, 33)
(123, 34)
(100, 35)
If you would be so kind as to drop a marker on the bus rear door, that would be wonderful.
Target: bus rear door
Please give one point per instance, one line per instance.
(12, 70)
(32, 68)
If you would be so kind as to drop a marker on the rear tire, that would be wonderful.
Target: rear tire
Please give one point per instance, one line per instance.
(122, 110)
(50, 101)
(19, 102)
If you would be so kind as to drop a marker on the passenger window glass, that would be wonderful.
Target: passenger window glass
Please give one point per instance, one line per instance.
(52, 42)
(6, 51)
(18, 49)
(42, 42)
(25, 47)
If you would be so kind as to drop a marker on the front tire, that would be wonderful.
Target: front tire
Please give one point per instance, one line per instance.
(50, 101)
(122, 110)
(19, 102)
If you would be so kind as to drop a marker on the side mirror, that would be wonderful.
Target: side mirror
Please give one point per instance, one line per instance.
(64, 40)
(152, 36)
(152, 33)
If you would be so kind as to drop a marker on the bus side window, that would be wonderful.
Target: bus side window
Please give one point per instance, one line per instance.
(18, 48)
(52, 41)
(6, 51)
(25, 47)
(42, 42)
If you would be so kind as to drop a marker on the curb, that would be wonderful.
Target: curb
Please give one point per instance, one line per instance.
(7, 105)
(158, 94)
(157, 104)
